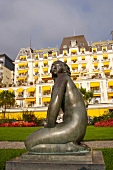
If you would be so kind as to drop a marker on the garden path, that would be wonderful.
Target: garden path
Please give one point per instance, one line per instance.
(92, 144)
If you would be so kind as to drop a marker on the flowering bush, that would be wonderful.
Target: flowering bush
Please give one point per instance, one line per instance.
(18, 124)
(104, 123)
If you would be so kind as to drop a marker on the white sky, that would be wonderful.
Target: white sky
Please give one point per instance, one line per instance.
(49, 21)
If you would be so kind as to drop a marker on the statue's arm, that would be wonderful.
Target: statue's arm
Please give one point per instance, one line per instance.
(56, 101)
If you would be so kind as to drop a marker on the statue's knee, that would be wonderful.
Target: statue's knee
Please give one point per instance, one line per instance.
(27, 143)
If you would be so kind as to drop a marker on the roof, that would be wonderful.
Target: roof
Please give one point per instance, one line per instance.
(4, 55)
(80, 41)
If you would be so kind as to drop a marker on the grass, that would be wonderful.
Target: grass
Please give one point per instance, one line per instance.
(108, 158)
(7, 154)
(98, 133)
(21, 133)
(16, 133)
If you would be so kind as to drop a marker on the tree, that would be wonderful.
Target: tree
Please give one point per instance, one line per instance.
(7, 99)
(87, 95)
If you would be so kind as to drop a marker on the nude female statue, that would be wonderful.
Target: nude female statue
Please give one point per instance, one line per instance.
(67, 135)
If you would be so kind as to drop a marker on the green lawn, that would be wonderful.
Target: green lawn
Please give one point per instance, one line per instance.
(7, 154)
(21, 133)
(98, 133)
(16, 133)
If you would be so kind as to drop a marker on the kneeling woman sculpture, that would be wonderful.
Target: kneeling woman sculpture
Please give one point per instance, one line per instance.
(65, 136)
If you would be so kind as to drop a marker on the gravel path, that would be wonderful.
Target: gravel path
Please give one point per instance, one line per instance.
(92, 144)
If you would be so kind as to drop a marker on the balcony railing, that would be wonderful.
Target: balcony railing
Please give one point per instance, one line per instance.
(31, 95)
(97, 91)
(110, 89)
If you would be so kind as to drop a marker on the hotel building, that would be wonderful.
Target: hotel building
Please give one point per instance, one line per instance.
(91, 68)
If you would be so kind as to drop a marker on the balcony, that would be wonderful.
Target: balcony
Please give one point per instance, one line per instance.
(31, 95)
(20, 96)
(46, 101)
(97, 91)
(110, 89)
(21, 68)
(23, 75)
(82, 70)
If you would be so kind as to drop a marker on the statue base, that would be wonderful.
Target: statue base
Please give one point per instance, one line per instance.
(88, 161)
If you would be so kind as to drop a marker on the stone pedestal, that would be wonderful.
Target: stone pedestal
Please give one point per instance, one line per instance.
(90, 161)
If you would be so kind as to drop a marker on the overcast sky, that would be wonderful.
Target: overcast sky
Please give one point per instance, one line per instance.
(47, 22)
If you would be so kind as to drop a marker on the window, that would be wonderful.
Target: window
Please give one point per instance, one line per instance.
(64, 46)
(39, 101)
(39, 89)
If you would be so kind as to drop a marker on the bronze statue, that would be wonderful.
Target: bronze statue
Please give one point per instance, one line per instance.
(64, 137)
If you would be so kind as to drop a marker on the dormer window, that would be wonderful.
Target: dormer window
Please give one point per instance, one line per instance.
(64, 46)
(73, 43)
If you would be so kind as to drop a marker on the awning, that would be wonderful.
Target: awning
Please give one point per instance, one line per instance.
(1, 90)
(20, 90)
(95, 57)
(46, 99)
(45, 88)
(105, 55)
(84, 65)
(36, 70)
(22, 57)
(65, 51)
(74, 73)
(104, 48)
(74, 65)
(23, 64)
(36, 56)
(106, 63)
(82, 49)
(11, 90)
(110, 94)
(65, 59)
(35, 77)
(77, 85)
(96, 94)
(73, 51)
(110, 83)
(21, 78)
(45, 55)
(36, 63)
(83, 57)
(22, 71)
(73, 58)
(31, 89)
(95, 64)
(94, 49)
(54, 53)
(45, 69)
(47, 77)
(30, 100)
(94, 84)
(45, 61)
(107, 71)
(54, 60)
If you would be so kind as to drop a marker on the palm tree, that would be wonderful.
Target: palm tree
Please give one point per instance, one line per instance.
(87, 95)
(7, 99)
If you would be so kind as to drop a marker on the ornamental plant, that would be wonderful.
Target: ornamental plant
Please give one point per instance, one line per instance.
(18, 124)
(104, 123)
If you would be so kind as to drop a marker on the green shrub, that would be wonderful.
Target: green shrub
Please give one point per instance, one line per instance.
(103, 117)
(30, 117)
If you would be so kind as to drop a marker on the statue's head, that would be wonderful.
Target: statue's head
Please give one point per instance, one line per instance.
(59, 67)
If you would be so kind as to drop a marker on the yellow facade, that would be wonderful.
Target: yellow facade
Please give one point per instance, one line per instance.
(97, 112)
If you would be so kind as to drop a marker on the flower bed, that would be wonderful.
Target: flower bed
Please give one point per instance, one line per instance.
(19, 124)
(104, 123)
